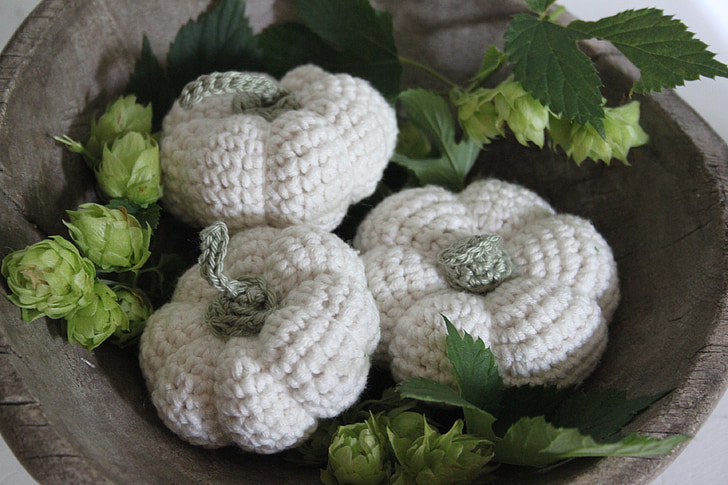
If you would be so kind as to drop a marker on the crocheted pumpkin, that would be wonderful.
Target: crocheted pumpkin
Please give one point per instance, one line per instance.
(247, 150)
(499, 263)
(257, 359)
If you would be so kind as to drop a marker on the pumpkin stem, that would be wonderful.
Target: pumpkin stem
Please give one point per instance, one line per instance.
(475, 263)
(242, 306)
(254, 93)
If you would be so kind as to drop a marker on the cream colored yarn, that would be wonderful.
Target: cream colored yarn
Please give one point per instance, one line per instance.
(265, 392)
(307, 165)
(547, 324)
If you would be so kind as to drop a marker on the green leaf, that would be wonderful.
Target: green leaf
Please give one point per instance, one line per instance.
(572, 444)
(150, 84)
(599, 413)
(539, 6)
(145, 215)
(531, 401)
(286, 46)
(492, 61)
(361, 34)
(535, 442)
(478, 421)
(661, 47)
(220, 39)
(475, 369)
(431, 391)
(431, 114)
(548, 63)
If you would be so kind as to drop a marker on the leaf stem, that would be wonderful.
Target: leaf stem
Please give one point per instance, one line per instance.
(554, 16)
(77, 147)
(427, 69)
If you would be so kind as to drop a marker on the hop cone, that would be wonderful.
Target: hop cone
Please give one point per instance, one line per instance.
(484, 113)
(622, 132)
(90, 325)
(112, 238)
(130, 169)
(49, 278)
(478, 116)
(137, 309)
(358, 455)
(121, 117)
(434, 458)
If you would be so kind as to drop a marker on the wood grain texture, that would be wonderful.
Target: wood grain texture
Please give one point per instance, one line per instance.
(74, 416)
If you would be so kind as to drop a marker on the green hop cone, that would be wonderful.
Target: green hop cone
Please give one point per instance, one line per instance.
(137, 308)
(407, 424)
(478, 116)
(526, 117)
(435, 458)
(49, 278)
(112, 238)
(130, 169)
(622, 132)
(358, 455)
(483, 114)
(121, 117)
(90, 325)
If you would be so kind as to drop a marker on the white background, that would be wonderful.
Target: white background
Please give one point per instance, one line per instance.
(704, 461)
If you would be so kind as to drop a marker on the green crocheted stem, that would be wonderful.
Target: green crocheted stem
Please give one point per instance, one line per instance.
(243, 304)
(476, 263)
(254, 94)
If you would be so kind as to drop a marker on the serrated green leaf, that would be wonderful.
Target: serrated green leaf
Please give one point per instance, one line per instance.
(430, 391)
(549, 64)
(539, 6)
(536, 442)
(361, 34)
(661, 47)
(475, 370)
(599, 413)
(572, 444)
(220, 39)
(521, 401)
(286, 46)
(431, 114)
(150, 84)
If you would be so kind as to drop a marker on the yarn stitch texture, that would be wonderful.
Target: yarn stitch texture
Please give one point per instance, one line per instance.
(546, 324)
(306, 165)
(265, 392)
(243, 304)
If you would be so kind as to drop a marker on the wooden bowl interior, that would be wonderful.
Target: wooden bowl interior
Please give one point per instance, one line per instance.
(75, 416)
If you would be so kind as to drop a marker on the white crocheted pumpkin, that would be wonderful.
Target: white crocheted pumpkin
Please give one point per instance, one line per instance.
(259, 368)
(299, 151)
(538, 287)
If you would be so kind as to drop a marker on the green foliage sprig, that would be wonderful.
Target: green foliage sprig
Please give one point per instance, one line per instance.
(579, 423)
(91, 281)
(552, 99)
(533, 426)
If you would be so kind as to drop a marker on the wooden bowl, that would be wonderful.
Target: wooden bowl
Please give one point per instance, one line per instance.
(73, 416)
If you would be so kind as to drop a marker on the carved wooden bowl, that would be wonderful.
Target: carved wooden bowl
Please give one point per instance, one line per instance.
(73, 416)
